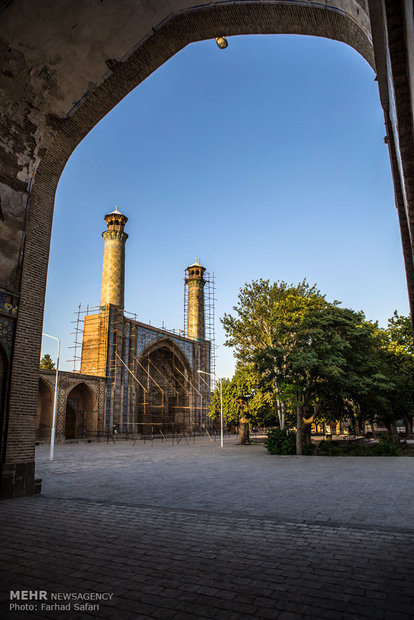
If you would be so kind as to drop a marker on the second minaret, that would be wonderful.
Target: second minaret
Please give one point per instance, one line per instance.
(195, 282)
(113, 272)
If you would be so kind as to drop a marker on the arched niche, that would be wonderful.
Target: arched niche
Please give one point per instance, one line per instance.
(163, 391)
(44, 410)
(81, 419)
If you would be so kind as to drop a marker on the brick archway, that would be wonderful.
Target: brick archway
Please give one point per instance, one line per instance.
(167, 343)
(164, 393)
(44, 410)
(81, 413)
(59, 130)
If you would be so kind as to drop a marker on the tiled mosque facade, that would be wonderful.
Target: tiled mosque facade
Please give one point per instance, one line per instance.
(134, 378)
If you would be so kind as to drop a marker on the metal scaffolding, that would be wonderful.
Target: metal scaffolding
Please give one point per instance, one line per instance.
(78, 332)
(209, 315)
(154, 392)
(210, 309)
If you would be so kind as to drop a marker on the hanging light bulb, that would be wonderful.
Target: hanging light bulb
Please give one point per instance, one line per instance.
(221, 42)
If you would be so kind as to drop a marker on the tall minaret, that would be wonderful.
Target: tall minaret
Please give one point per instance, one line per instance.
(113, 272)
(195, 282)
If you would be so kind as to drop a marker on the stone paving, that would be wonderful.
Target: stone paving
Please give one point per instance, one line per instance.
(241, 480)
(193, 531)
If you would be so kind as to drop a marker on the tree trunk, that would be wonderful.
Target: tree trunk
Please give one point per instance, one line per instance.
(283, 406)
(280, 406)
(408, 421)
(279, 412)
(299, 429)
(307, 433)
(392, 432)
(244, 433)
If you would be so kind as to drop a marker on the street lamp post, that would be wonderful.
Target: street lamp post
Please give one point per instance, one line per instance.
(53, 432)
(203, 372)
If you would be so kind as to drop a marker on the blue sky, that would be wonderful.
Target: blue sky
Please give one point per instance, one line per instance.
(266, 159)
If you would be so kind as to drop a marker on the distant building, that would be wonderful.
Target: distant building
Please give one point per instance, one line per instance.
(134, 378)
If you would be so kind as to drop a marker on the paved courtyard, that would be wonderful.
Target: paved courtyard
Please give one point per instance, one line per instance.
(195, 531)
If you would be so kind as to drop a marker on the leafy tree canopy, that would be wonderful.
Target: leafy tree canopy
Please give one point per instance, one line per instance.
(262, 309)
(400, 333)
(296, 348)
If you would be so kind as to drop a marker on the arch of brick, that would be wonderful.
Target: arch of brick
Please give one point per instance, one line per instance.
(44, 409)
(67, 64)
(168, 344)
(169, 385)
(92, 403)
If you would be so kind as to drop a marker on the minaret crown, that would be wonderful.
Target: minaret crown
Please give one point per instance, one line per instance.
(195, 272)
(116, 220)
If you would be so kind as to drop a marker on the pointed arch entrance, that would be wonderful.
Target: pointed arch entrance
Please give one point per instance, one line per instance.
(163, 399)
(81, 417)
(44, 410)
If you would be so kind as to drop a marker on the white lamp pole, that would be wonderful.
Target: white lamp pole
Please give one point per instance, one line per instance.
(203, 372)
(53, 432)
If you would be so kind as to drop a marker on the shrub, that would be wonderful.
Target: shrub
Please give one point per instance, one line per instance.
(284, 442)
(385, 447)
(329, 448)
(281, 441)
(308, 449)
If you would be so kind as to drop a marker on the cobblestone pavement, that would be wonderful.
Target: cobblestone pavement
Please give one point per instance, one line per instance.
(242, 480)
(148, 538)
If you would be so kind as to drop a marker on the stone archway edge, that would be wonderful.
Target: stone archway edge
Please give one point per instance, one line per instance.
(39, 135)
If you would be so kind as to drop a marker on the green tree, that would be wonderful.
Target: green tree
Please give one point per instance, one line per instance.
(264, 333)
(386, 385)
(261, 408)
(262, 307)
(323, 364)
(397, 358)
(400, 333)
(46, 363)
(322, 361)
(262, 311)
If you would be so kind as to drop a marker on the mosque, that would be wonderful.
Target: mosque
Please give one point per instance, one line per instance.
(134, 378)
